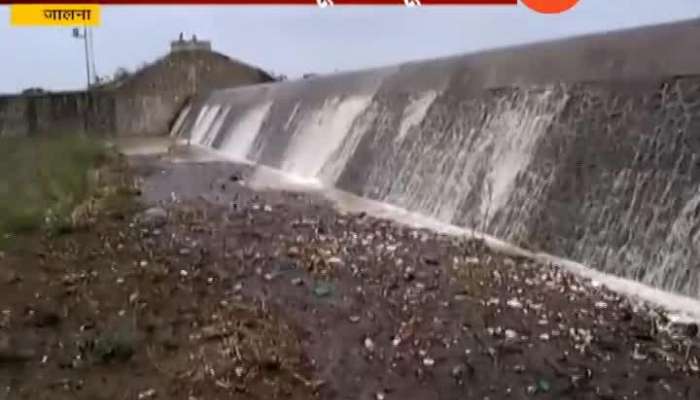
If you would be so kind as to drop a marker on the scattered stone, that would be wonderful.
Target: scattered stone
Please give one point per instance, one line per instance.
(409, 274)
(297, 281)
(154, 217)
(457, 372)
(323, 289)
(293, 251)
(428, 362)
(335, 262)
(514, 303)
(543, 386)
(369, 344)
(185, 251)
(354, 319)
(148, 394)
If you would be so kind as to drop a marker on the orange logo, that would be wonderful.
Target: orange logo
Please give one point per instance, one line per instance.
(550, 6)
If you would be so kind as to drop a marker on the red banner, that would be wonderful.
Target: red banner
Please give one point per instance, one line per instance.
(274, 2)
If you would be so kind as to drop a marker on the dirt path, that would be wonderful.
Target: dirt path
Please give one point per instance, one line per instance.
(237, 294)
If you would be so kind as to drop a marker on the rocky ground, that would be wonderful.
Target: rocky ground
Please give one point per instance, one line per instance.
(218, 292)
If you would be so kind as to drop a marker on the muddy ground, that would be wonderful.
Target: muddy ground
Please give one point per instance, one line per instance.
(221, 292)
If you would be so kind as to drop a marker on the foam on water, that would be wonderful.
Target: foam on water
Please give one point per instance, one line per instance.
(203, 122)
(415, 112)
(241, 136)
(321, 132)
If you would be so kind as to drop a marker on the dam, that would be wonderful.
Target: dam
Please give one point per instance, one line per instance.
(586, 148)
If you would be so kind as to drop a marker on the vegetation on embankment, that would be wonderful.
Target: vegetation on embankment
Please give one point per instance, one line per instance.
(44, 180)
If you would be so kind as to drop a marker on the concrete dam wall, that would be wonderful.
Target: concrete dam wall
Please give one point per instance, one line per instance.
(598, 163)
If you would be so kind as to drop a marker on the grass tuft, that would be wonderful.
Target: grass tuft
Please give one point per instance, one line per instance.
(43, 179)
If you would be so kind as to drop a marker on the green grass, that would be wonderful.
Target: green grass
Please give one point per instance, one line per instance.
(42, 179)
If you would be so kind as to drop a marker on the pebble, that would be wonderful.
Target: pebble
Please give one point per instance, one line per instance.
(335, 261)
(154, 217)
(457, 371)
(514, 303)
(148, 394)
(354, 319)
(428, 362)
(322, 290)
(297, 281)
(369, 344)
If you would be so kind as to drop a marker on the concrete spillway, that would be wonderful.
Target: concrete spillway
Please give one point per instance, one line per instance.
(586, 148)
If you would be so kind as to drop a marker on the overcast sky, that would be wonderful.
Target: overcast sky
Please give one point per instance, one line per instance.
(296, 40)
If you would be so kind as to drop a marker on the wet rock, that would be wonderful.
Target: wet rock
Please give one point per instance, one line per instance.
(148, 394)
(369, 344)
(154, 217)
(543, 386)
(409, 274)
(457, 372)
(297, 281)
(335, 262)
(514, 303)
(293, 251)
(683, 329)
(323, 289)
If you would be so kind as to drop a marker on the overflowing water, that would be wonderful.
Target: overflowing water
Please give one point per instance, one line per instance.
(593, 172)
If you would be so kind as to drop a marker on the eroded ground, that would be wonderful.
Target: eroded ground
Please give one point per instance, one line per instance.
(233, 294)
